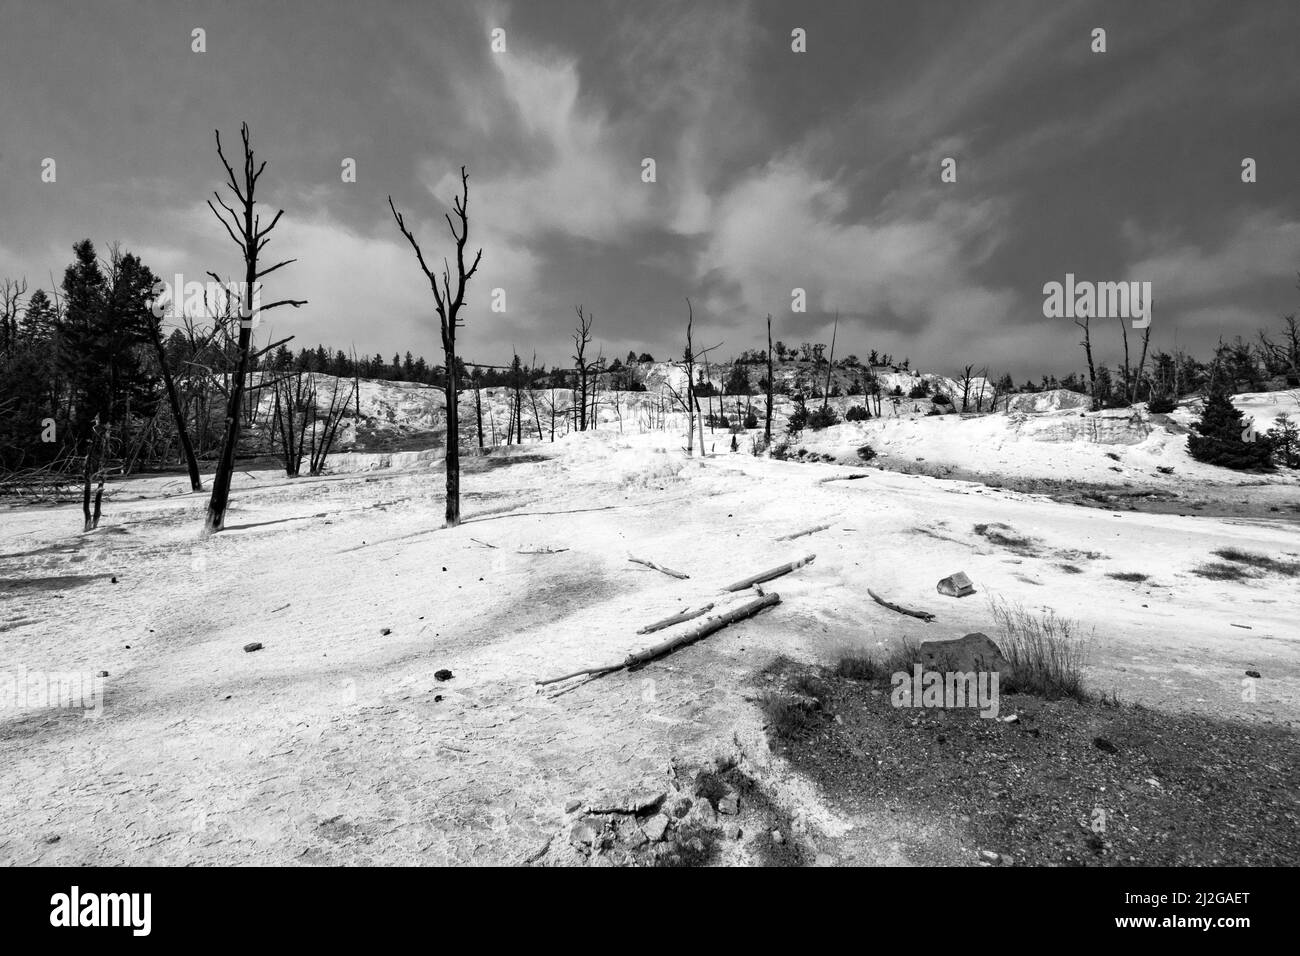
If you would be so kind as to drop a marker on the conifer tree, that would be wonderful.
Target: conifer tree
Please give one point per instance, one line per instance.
(1222, 436)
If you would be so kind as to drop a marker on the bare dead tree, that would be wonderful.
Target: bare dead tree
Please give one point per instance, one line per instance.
(979, 396)
(92, 470)
(532, 395)
(12, 292)
(965, 386)
(329, 428)
(294, 396)
(448, 305)
(1084, 322)
(154, 330)
(247, 232)
(1141, 366)
(771, 386)
(830, 366)
(581, 339)
(1128, 374)
(690, 401)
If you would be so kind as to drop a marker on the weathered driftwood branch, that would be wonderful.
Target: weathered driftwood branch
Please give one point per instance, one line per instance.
(805, 531)
(658, 567)
(704, 630)
(769, 575)
(675, 619)
(923, 615)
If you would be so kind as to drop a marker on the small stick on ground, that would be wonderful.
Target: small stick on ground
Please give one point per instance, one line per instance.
(800, 534)
(484, 543)
(769, 575)
(675, 619)
(539, 852)
(543, 551)
(853, 477)
(704, 630)
(281, 607)
(658, 567)
(923, 615)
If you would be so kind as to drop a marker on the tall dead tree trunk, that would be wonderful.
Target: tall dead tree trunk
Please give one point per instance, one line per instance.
(830, 366)
(1087, 351)
(173, 400)
(771, 386)
(251, 238)
(1142, 364)
(581, 338)
(1128, 374)
(449, 305)
(475, 380)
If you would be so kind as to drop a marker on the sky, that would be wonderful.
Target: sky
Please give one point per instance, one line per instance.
(774, 169)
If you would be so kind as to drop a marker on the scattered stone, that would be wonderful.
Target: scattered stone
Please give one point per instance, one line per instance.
(1101, 743)
(572, 805)
(730, 805)
(638, 803)
(114, 580)
(582, 834)
(103, 674)
(1252, 674)
(252, 646)
(1006, 860)
(443, 674)
(973, 652)
(1011, 719)
(733, 831)
(956, 585)
(655, 827)
(385, 631)
(988, 855)
(53, 838)
(646, 800)
(704, 814)
(681, 806)
(635, 837)
(777, 838)
(437, 698)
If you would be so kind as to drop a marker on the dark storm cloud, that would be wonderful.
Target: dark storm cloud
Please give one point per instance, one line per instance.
(775, 169)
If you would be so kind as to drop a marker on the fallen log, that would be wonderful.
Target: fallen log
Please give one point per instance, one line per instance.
(658, 567)
(800, 534)
(704, 630)
(923, 615)
(769, 575)
(675, 619)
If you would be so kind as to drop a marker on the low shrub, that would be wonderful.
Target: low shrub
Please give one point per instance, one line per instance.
(822, 417)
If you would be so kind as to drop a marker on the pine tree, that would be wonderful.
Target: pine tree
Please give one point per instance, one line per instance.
(1222, 435)
(40, 322)
(1285, 439)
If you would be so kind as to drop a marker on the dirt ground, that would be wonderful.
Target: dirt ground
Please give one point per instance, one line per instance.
(338, 743)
